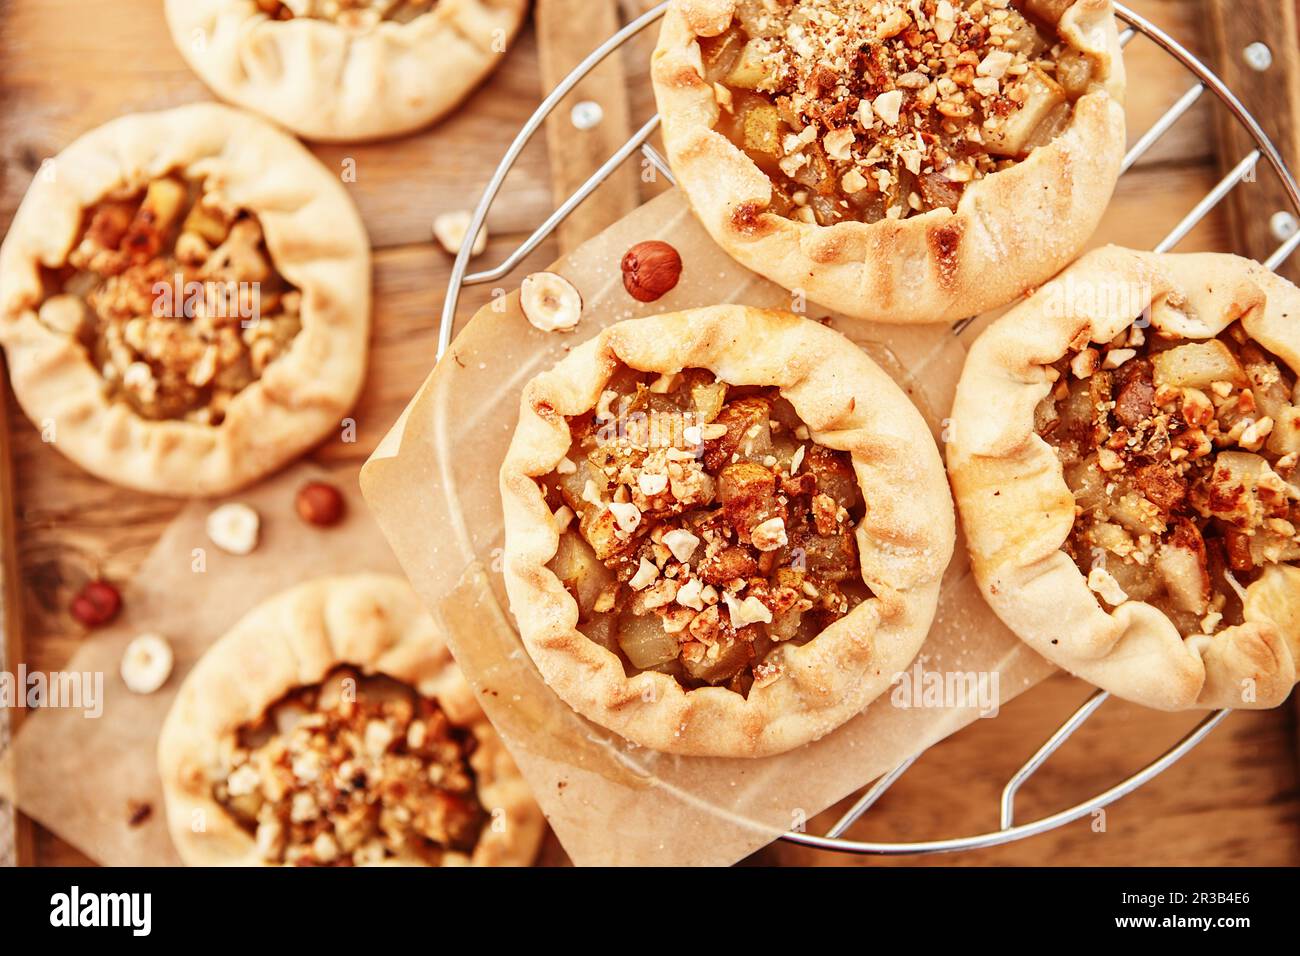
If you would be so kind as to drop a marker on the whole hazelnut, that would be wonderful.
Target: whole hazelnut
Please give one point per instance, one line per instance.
(96, 604)
(651, 270)
(320, 503)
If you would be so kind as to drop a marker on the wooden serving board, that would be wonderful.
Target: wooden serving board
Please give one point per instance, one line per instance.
(69, 65)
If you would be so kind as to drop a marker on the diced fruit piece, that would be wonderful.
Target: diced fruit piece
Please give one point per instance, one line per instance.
(939, 191)
(748, 433)
(576, 566)
(1198, 365)
(1052, 126)
(756, 20)
(1161, 484)
(602, 629)
(1042, 95)
(64, 313)
(1134, 393)
(645, 642)
(207, 222)
(1024, 36)
(1074, 72)
(1136, 513)
(1136, 581)
(747, 492)
(834, 475)
(1236, 549)
(762, 129)
(600, 527)
(1182, 565)
(1285, 437)
(707, 399)
(1267, 548)
(754, 68)
(109, 223)
(830, 556)
(721, 54)
(1271, 391)
(732, 655)
(745, 480)
(727, 565)
(162, 203)
(1111, 537)
(1242, 490)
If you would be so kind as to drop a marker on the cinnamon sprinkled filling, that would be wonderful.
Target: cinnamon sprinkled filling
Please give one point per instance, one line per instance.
(355, 770)
(1182, 459)
(173, 295)
(872, 109)
(701, 528)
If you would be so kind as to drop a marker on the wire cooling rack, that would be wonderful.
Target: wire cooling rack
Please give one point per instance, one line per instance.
(1204, 80)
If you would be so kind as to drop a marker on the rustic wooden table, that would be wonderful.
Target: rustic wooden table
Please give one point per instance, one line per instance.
(68, 65)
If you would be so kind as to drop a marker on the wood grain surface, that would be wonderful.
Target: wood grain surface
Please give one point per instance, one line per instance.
(68, 65)
(567, 31)
(1240, 33)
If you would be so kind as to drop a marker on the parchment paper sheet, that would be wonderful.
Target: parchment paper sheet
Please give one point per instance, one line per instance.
(433, 487)
(78, 776)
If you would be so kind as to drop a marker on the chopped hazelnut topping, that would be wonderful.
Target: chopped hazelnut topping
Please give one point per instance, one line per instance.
(709, 529)
(873, 110)
(354, 770)
(1179, 465)
(174, 297)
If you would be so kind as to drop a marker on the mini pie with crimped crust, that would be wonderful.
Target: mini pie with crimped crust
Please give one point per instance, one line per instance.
(185, 300)
(1123, 452)
(331, 727)
(896, 161)
(345, 70)
(725, 530)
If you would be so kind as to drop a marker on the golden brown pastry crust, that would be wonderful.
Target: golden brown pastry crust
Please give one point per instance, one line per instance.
(328, 84)
(905, 541)
(316, 240)
(372, 622)
(1009, 232)
(1017, 510)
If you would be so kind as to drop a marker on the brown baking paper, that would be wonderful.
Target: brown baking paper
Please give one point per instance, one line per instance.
(433, 486)
(81, 777)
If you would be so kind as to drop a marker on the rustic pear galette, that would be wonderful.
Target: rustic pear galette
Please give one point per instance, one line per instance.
(345, 70)
(1124, 449)
(331, 727)
(725, 530)
(185, 301)
(895, 160)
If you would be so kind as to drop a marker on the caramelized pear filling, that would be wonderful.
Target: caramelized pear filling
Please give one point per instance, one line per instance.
(701, 528)
(882, 109)
(1181, 456)
(174, 297)
(355, 770)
